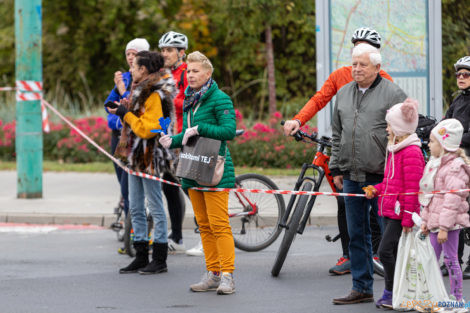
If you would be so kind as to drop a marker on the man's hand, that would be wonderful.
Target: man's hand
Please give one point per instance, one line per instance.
(291, 127)
(442, 236)
(338, 180)
(121, 87)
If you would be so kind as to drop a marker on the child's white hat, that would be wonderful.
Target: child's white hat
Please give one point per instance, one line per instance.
(449, 134)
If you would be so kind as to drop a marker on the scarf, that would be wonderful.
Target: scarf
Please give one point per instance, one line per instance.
(426, 183)
(193, 96)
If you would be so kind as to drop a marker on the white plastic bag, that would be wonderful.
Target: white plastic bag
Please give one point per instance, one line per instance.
(430, 285)
(404, 286)
(417, 280)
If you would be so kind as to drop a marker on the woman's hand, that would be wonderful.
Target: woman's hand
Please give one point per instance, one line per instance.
(165, 141)
(424, 229)
(120, 111)
(442, 236)
(190, 132)
(407, 229)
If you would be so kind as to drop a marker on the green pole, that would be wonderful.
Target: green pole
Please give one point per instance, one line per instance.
(28, 29)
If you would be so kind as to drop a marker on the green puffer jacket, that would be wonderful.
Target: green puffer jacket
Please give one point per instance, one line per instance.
(215, 118)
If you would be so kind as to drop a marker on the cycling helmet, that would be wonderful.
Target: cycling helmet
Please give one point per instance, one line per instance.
(173, 39)
(463, 63)
(367, 34)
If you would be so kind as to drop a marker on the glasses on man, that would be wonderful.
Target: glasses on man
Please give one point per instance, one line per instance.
(462, 74)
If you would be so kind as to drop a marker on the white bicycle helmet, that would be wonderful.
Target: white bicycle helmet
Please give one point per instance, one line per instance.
(367, 34)
(173, 39)
(463, 63)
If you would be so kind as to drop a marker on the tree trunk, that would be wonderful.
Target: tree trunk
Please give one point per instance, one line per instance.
(270, 65)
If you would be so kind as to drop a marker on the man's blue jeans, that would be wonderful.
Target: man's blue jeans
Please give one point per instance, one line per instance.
(360, 246)
(141, 189)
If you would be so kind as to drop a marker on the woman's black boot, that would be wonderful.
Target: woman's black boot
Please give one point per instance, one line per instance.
(141, 258)
(158, 264)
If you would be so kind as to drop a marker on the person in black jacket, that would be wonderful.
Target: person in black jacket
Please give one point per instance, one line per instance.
(460, 110)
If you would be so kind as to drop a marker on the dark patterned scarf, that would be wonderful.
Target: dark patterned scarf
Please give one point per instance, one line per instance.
(193, 96)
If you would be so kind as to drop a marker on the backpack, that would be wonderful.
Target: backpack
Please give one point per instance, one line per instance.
(425, 125)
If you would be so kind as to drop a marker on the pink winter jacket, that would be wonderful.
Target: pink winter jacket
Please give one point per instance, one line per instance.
(449, 209)
(409, 165)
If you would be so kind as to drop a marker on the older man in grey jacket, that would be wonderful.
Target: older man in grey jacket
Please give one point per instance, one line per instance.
(358, 157)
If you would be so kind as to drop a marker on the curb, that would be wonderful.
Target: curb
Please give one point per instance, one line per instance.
(105, 220)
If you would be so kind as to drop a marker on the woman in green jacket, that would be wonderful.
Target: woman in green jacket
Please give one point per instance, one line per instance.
(214, 118)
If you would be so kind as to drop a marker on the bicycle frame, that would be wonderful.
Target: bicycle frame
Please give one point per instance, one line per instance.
(254, 208)
(319, 164)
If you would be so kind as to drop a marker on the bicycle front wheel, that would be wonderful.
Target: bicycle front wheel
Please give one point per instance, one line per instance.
(291, 231)
(254, 217)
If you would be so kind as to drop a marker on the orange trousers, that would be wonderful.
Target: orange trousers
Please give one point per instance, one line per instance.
(211, 212)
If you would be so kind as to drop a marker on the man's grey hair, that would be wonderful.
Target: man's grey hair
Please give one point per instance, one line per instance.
(374, 53)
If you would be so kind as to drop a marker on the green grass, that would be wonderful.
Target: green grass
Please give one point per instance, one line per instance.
(107, 167)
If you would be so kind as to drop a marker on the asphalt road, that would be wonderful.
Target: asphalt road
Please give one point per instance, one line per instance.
(77, 271)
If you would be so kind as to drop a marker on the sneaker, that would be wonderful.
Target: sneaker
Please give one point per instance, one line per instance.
(227, 285)
(196, 250)
(209, 281)
(122, 250)
(385, 301)
(175, 248)
(343, 266)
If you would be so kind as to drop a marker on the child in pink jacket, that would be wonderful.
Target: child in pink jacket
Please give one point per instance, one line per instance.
(446, 213)
(403, 171)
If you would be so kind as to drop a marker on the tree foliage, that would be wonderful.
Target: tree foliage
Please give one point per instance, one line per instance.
(84, 42)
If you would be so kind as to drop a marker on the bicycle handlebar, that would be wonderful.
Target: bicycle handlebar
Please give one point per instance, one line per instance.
(300, 135)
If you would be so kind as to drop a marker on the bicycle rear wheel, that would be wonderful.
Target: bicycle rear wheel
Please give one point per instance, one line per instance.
(256, 231)
(291, 231)
(129, 233)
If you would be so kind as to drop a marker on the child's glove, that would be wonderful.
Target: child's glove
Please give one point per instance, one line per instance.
(370, 191)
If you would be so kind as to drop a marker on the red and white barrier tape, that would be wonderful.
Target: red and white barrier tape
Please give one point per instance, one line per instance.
(29, 85)
(33, 93)
(7, 88)
(265, 191)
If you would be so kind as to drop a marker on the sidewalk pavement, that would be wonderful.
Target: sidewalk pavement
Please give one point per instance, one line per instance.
(89, 198)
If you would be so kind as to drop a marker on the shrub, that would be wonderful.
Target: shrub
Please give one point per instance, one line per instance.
(63, 143)
(263, 146)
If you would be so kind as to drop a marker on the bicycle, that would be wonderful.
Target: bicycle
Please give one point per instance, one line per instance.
(253, 216)
(295, 223)
(118, 224)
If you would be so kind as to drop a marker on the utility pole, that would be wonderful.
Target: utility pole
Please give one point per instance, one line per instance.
(29, 145)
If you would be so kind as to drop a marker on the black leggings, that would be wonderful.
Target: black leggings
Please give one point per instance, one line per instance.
(343, 228)
(175, 207)
(388, 249)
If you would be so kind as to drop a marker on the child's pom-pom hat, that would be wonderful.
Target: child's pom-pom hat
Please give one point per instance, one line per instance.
(403, 117)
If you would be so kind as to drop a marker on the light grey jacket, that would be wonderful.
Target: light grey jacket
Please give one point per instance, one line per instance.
(359, 129)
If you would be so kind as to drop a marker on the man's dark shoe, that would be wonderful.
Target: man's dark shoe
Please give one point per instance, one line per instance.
(354, 297)
(343, 266)
(466, 272)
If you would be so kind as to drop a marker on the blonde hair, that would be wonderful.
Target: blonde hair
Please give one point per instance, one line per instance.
(461, 153)
(197, 56)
